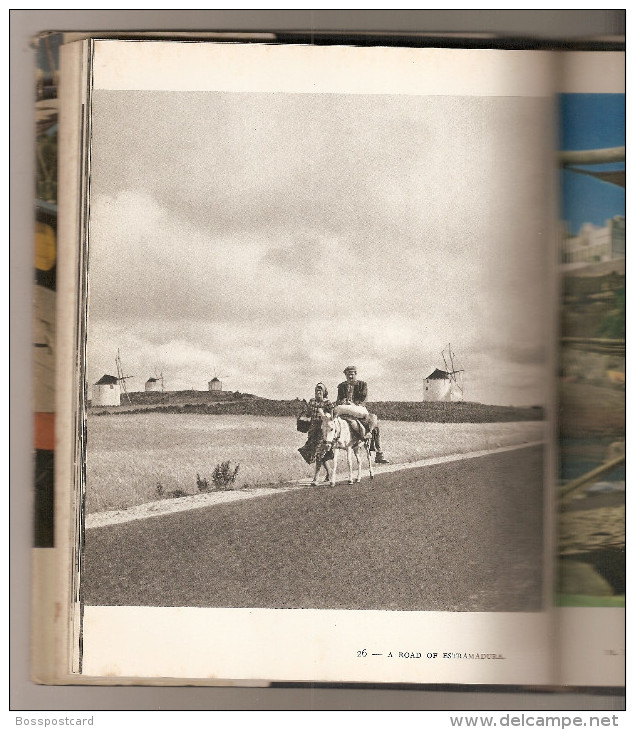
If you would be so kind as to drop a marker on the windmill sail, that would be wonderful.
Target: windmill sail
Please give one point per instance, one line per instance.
(158, 376)
(456, 376)
(122, 378)
(447, 384)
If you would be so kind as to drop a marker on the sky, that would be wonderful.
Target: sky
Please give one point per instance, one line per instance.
(591, 121)
(274, 239)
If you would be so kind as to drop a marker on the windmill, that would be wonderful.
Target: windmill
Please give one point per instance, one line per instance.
(456, 383)
(216, 383)
(121, 377)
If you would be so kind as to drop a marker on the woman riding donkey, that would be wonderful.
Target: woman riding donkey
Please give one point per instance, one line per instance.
(314, 450)
(351, 396)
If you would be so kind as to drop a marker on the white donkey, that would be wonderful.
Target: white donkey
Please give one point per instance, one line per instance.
(337, 435)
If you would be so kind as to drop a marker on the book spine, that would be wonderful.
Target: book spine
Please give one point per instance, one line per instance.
(43, 337)
(55, 641)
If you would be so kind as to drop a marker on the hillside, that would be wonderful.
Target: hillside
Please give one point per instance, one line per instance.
(227, 402)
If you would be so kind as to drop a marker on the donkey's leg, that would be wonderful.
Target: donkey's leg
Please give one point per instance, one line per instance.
(349, 461)
(333, 468)
(359, 463)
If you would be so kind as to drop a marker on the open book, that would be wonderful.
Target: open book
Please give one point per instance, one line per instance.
(249, 233)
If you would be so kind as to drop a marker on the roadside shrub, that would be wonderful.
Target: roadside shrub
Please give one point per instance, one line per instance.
(202, 484)
(224, 476)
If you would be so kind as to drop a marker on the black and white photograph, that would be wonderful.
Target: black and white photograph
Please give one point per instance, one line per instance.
(318, 350)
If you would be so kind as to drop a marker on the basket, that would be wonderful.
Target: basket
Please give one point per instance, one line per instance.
(303, 424)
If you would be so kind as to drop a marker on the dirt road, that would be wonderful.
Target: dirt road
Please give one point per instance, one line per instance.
(462, 536)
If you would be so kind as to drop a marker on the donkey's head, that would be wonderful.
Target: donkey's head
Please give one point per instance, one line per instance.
(329, 427)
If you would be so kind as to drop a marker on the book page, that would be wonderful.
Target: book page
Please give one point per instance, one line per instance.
(592, 521)
(273, 231)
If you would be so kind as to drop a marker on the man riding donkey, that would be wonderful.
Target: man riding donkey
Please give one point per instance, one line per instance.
(351, 395)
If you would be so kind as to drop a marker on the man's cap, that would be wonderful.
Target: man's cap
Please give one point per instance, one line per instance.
(350, 368)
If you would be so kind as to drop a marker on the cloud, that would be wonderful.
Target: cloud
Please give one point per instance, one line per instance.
(278, 237)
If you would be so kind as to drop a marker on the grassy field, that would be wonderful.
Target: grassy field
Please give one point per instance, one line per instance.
(128, 457)
(227, 403)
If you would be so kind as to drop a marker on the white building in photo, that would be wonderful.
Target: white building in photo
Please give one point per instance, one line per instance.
(597, 243)
(437, 386)
(153, 384)
(215, 384)
(106, 391)
(443, 386)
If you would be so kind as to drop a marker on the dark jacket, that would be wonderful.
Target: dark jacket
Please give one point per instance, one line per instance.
(360, 392)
